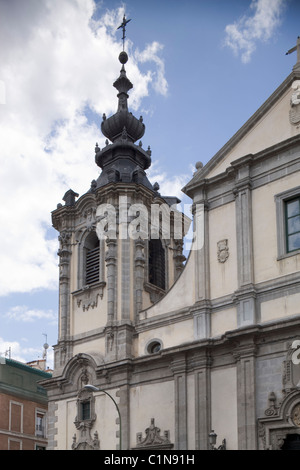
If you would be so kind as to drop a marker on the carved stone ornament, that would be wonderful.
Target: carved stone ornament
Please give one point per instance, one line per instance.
(296, 415)
(273, 407)
(223, 251)
(291, 372)
(86, 444)
(153, 439)
(281, 419)
(295, 103)
(88, 298)
(90, 218)
(295, 115)
(84, 424)
(87, 302)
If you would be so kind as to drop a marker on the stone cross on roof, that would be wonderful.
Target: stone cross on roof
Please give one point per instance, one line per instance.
(296, 48)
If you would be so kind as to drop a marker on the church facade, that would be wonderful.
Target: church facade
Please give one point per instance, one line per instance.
(154, 353)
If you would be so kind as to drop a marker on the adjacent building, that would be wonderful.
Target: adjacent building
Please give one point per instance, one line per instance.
(23, 405)
(180, 350)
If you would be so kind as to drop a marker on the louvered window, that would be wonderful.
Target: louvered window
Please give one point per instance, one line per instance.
(92, 261)
(92, 265)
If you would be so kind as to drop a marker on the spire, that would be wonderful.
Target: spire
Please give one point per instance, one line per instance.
(123, 84)
(123, 123)
(123, 160)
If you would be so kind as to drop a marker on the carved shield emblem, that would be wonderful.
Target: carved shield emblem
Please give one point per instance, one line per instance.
(223, 251)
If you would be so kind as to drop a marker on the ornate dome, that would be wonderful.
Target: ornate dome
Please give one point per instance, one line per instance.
(123, 125)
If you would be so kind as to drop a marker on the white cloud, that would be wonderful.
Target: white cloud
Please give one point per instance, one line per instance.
(59, 60)
(22, 313)
(242, 36)
(24, 317)
(169, 186)
(150, 53)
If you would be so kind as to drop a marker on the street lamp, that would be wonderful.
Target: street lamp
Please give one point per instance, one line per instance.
(213, 439)
(92, 388)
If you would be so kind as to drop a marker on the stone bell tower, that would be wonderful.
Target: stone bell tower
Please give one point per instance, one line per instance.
(120, 244)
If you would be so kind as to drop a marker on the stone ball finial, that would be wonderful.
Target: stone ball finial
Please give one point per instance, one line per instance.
(199, 165)
(123, 57)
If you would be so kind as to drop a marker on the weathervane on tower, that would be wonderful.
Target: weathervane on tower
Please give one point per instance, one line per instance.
(123, 26)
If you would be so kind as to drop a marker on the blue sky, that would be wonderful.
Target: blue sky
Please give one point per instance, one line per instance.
(199, 68)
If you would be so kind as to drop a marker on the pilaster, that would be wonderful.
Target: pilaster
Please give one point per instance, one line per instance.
(201, 246)
(111, 264)
(202, 320)
(126, 284)
(124, 407)
(64, 350)
(202, 364)
(139, 274)
(245, 356)
(178, 367)
(245, 295)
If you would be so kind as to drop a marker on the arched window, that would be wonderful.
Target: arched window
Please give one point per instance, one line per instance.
(157, 263)
(92, 264)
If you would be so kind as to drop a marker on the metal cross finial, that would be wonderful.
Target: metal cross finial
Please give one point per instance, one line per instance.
(296, 48)
(123, 26)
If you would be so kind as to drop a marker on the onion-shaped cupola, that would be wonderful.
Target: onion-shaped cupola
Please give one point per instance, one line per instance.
(115, 127)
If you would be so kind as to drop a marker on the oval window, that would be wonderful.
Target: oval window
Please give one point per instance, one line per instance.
(154, 347)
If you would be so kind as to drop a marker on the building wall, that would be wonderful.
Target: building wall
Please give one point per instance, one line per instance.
(21, 400)
(153, 400)
(224, 405)
(222, 226)
(17, 423)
